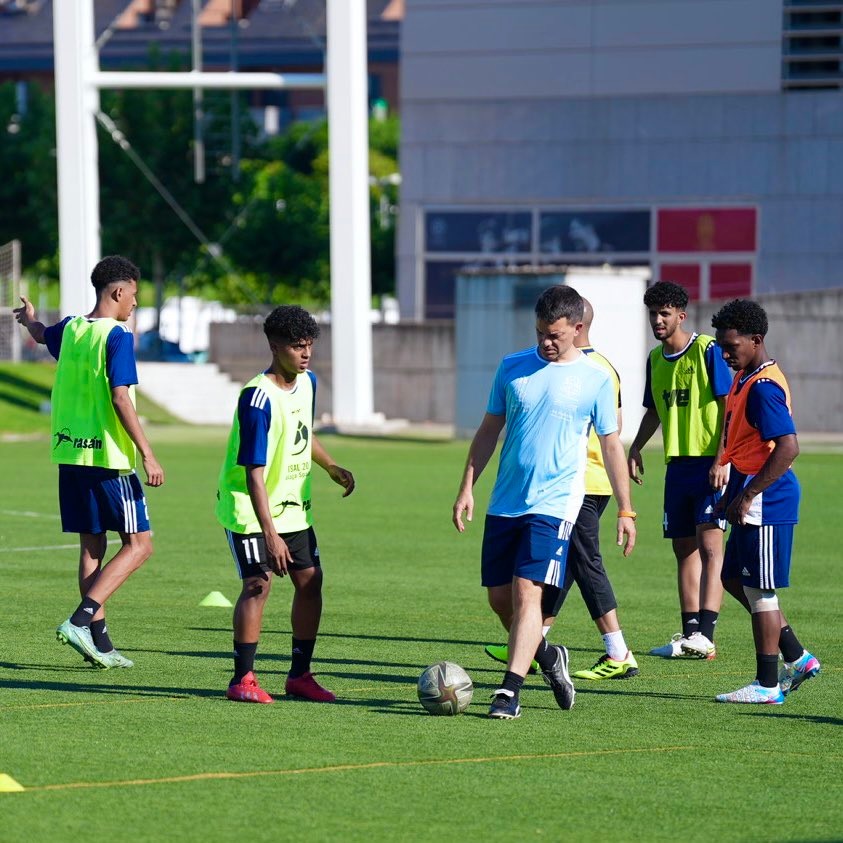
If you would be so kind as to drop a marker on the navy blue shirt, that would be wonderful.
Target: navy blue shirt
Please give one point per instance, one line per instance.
(120, 365)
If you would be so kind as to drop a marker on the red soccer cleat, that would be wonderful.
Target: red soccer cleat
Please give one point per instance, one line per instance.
(308, 688)
(248, 690)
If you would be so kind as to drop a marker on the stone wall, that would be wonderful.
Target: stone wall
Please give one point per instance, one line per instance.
(414, 363)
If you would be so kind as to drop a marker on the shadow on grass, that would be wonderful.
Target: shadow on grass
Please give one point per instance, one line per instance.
(775, 711)
(97, 688)
(367, 637)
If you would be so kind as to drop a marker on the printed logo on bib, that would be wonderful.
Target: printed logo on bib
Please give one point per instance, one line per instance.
(64, 436)
(301, 439)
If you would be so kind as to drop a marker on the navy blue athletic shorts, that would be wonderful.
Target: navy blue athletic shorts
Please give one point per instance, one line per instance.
(95, 500)
(759, 556)
(533, 547)
(689, 499)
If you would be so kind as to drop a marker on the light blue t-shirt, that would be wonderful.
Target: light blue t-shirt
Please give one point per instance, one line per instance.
(549, 409)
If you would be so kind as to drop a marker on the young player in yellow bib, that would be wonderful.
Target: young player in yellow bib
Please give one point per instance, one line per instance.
(97, 436)
(264, 504)
(687, 382)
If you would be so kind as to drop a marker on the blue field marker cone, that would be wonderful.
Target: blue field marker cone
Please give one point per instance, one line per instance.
(216, 598)
(9, 785)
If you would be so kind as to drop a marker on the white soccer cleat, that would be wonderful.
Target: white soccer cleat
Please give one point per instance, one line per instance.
(673, 648)
(753, 693)
(698, 646)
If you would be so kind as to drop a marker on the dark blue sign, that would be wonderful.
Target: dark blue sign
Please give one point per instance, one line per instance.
(594, 232)
(479, 232)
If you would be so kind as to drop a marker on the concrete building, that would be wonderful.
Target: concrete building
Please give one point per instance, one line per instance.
(703, 138)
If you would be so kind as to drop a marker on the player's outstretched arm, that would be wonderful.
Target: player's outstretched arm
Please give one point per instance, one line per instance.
(635, 462)
(479, 453)
(613, 459)
(341, 476)
(25, 315)
(125, 409)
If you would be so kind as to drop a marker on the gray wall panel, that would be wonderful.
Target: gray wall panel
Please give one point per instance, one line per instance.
(508, 28)
(690, 70)
(495, 76)
(659, 24)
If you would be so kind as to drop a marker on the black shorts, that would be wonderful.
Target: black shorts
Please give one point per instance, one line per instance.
(585, 565)
(249, 551)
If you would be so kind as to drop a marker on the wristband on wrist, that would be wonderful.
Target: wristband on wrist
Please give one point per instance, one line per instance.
(627, 513)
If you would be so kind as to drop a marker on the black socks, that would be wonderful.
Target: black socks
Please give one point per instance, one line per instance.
(85, 612)
(244, 660)
(99, 632)
(302, 653)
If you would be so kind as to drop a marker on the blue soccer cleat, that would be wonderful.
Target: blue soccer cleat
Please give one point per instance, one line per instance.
(504, 706)
(793, 674)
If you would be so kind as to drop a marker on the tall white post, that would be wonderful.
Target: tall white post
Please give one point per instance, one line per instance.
(77, 101)
(351, 282)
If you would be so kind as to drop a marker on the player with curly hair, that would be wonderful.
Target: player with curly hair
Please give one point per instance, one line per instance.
(264, 504)
(761, 501)
(685, 391)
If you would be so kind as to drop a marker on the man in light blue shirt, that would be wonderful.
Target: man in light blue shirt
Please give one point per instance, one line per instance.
(548, 397)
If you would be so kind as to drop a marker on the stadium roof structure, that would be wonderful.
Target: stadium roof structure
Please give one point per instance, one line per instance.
(286, 34)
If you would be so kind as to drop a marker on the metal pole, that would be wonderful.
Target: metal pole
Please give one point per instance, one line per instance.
(172, 80)
(77, 101)
(235, 98)
(198, 112)
(351, 329)
(15, 277)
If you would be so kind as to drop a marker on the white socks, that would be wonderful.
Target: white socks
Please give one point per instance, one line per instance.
(615, 645)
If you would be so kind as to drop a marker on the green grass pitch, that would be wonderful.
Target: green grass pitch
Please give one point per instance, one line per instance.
(156, 753)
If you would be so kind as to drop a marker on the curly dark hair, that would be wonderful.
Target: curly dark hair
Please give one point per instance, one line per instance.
(666, 294)
(744, 316)
(290, 324)
(559, 302)
(112, 269)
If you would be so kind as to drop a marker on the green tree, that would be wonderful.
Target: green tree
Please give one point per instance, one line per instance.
(28, 206)
(282, 230)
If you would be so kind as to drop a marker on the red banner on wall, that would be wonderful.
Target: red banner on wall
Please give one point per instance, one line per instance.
(707, 230)
(685, 274)
(730, 280)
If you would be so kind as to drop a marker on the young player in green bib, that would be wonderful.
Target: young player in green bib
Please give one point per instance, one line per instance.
(96, 439)
(687, 381)
(264, 503)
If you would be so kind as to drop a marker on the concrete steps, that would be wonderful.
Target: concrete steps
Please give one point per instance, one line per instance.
(194, 392)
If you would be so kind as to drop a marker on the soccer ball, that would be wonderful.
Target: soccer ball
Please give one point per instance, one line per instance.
(445, 688)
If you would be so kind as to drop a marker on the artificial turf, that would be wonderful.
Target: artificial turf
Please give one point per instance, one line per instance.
(156, 752)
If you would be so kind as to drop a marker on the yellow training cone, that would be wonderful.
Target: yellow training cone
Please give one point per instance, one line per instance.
(9, 785)
(216, 598)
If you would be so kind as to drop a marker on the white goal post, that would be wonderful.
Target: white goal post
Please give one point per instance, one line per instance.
(78, 82)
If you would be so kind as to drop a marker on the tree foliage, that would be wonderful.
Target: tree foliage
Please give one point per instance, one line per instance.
(268, 228)
(28, 204)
